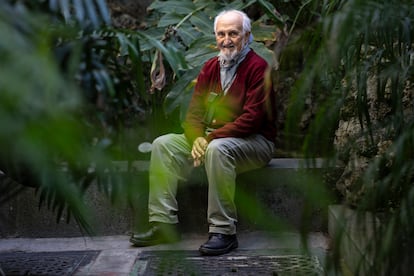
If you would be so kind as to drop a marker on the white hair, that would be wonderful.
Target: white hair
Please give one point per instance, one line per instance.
(246, 20)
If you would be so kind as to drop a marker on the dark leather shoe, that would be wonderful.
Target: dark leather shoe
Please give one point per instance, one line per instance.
(158, 233)
(218, 244)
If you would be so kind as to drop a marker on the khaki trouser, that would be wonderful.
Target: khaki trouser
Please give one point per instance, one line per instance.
(224, 159)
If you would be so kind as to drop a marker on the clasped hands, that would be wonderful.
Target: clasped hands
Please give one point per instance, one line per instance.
(199, 149)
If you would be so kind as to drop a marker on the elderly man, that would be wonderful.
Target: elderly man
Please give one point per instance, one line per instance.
(228, 129)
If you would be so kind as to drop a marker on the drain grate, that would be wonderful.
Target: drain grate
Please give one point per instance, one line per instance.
(45, 263)
(240, 263)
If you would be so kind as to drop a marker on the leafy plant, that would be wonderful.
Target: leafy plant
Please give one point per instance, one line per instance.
(69, 84)
(85, 85)
(362, 70)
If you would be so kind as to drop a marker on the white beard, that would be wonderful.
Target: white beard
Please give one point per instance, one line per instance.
(226, 56)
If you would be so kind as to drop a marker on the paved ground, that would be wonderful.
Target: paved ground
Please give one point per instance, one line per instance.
(117, 257)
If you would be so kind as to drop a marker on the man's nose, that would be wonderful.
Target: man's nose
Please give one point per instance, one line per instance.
(227, 40)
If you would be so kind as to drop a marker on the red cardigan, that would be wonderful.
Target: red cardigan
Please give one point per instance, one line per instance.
(246, 109)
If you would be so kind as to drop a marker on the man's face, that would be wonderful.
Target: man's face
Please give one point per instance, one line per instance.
(229, 35)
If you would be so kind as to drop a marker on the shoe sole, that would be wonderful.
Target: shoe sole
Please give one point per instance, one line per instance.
(221, 251)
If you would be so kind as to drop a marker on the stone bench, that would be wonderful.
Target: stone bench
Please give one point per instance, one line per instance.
(277, 195)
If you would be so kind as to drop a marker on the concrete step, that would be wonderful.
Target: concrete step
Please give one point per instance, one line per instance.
(288, 194)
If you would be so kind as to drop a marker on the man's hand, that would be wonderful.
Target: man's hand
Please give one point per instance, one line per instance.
(199, 149)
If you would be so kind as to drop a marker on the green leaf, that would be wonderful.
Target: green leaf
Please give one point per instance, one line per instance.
(147, 44)
(200, 56)
(263, 51)
(174, 57)
(136, 58)
(187, 35)
(104, 11)
(79, 10)
(91, 11)
(104, 81)
(202, 23)
(262, 32)
(270, 10)
(201, 50)
(181, 93)
(64, 9)
(170, 19)
(183, 7)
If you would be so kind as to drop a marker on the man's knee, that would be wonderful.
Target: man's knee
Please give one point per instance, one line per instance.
(216, 148)
(163, 140)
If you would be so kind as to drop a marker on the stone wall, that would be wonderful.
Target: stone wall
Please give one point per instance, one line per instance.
(355, 146)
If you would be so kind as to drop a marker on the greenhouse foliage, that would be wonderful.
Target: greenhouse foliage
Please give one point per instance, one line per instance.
(86, 85)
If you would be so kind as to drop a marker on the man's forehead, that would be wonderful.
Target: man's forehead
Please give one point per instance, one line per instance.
(230, 19)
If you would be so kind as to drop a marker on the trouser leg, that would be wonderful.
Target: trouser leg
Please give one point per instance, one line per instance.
(225, 158)
(169, 164)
